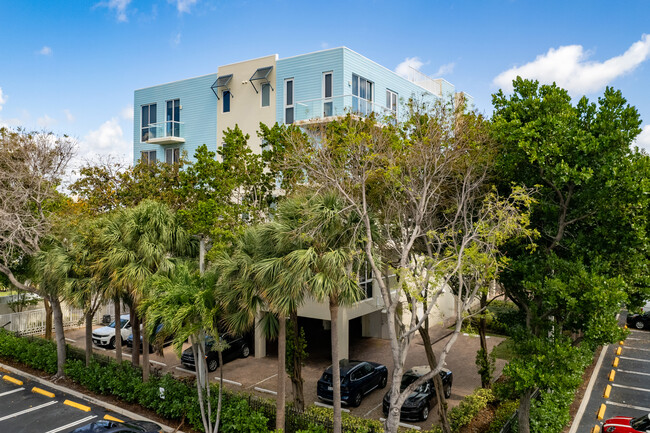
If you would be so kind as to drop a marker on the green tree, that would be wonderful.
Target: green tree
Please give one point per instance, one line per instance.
(591, 213)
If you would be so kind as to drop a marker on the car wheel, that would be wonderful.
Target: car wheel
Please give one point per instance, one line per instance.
(424, 414)
(245, 351)
(639, 324)
(111, 344)
(383, 381)
(356, 400)
(213, 363)
(448, 391)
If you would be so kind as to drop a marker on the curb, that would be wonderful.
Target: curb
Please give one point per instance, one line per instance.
(87, 398)
(590, 387)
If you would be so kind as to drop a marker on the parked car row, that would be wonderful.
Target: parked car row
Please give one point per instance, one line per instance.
(359, 378)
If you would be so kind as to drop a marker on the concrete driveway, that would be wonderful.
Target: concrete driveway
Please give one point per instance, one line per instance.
(259, 376)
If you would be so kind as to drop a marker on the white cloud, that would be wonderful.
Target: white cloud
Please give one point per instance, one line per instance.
(445, 69)
(176, 39)
(184, 5)
(408, 63)
(69, 116)
(127, 113)
(569, 66)
(119, 6)
(107, 139)
(324, 45)
(3, 98)
(45, 51)
(45, 121)
(643, 139)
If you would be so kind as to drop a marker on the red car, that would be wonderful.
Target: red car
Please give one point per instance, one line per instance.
(626, 424)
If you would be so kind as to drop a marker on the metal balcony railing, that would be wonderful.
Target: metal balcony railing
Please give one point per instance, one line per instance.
(168, 132)
(311, 110)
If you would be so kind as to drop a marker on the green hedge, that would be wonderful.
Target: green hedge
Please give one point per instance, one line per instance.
(33, 352)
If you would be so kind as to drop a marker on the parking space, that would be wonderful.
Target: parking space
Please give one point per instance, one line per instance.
(259, 376)
(30, 407)
(620, 383)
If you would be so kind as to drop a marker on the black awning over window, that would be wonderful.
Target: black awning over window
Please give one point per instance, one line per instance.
(223, 82)
(261, 75)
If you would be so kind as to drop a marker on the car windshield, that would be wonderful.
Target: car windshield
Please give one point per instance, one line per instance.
(408, 379)
(641, 423)
(122, 323)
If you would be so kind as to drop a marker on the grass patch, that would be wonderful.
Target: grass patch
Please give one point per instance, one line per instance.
(505, 350)
(8, 293)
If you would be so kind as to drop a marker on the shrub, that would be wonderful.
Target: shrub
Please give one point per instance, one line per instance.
(503, 413)
(350, 424)
(471, 405)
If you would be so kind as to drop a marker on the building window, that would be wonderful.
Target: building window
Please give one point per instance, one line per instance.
(148, 118)
(288, 101)
(173, 125)
(148, 157)
(391, 101)
(362, 90)
(172, 156)
(328, 105)
(365, 280)
(226, 101)
(266, 95)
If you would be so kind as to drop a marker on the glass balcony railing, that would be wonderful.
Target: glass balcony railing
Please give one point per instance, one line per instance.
(169, 132)
(313, 110)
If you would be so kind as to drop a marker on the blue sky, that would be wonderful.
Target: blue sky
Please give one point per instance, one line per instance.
(72, 66)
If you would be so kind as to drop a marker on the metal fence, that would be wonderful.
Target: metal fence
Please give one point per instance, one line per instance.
(33, 322)
(511, 425)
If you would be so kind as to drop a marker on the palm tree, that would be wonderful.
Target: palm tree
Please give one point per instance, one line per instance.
(184, 303)
(326, 252)
(142, 242)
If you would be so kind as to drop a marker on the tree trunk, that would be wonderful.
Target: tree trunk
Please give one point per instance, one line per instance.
(60, 337)
(282, 359)
(218, 420)
(297, 382)
(336, 371)
(118, 332)
(524, 411)
(89, 336)
(437, 380)
(145, 350)
(482, 331)
(48, 319)
(135, 353)
(201, 254)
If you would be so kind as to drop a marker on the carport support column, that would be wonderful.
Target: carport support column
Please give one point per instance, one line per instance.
(344, 334)
(260, 340)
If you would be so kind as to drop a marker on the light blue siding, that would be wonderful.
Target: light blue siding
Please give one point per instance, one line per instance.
(198, 114)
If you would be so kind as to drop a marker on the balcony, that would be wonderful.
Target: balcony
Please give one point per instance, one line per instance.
(323, 110)
(169, 132)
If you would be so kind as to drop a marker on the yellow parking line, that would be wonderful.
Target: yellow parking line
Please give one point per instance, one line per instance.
(621, 342)
(601, 411)
(43, 392)
(608, 390)
(595, 429)
(619, 350)
(77, 405)
(611, 375)
(615, 363)
(12, 380)
(112, 418)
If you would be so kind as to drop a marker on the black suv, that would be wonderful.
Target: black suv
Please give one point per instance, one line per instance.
(639, 321)
(237, 348)
(419, 402)
(358, 378)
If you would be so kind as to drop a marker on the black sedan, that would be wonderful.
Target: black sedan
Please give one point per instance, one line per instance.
(105, 426)
(639, 321)
(358, 378)
(237, 348)
(419, 402)
(166, 341)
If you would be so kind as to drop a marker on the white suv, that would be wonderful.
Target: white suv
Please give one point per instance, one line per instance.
(106, 336)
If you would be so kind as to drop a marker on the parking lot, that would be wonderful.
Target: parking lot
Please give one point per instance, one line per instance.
(259, 375)
(27, 406)
(625, 369)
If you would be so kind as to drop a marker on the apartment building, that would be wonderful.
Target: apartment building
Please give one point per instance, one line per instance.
(183, 115)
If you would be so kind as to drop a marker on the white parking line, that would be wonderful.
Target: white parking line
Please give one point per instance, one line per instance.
(628, 406)
(372, 410)
(70, 339)
(318, 403)
(263, 380)
(268, 391)
(232, 382)
(633, 372)
(630, 387)
(159, 363)
(634, 339)
(186, 371)
(634, 359)
(12, 391)
(412, 427)
(72, 424)
(31, 409)
(637, 348)
(127, 355)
